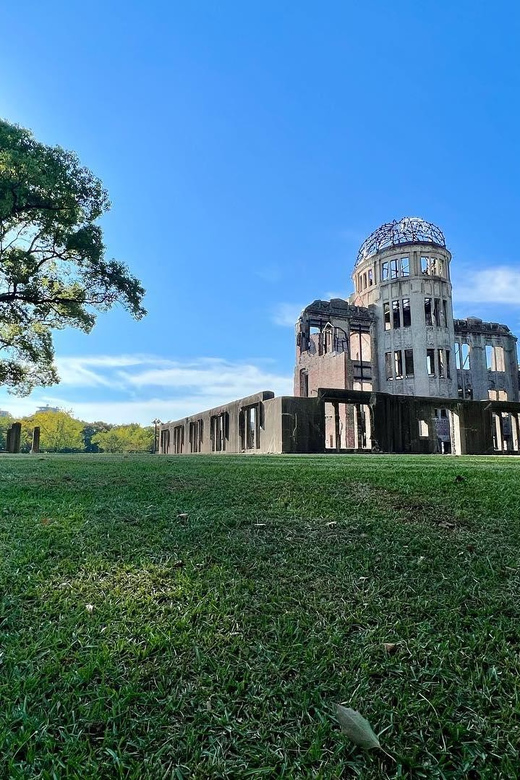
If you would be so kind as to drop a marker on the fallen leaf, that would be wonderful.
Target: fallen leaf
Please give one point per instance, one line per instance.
(45, 520)
(332, 524)
(390, 647)
(183, 515)
(89, 607)
(356, 727)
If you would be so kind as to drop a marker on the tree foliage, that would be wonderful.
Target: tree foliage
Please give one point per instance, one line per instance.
(125, 438)
(53, 270)
(59, 431)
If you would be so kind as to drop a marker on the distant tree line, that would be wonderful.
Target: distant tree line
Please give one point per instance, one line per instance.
(61, 432)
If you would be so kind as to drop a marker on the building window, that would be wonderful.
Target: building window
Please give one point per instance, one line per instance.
(178, 439)
(462, 360)
(445, 312)
(407, 315)
(440, 354)
(394, 268)
(364, 281)
(408, 362)
(448, 368)
(219, 431)
(388, 365)
(430, 362)
(429, 266)
(436, 312)
(386, 314)
(428, 311)
(398, 363)
(405, 266)
(370, 277)
(384, 272)
(423, 429)
(396, 315)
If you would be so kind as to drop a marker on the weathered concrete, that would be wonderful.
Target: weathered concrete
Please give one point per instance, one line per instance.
(14, 437)
(35, 448)
(387, 369)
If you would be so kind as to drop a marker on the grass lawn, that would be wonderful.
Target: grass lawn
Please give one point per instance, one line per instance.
(199, 617)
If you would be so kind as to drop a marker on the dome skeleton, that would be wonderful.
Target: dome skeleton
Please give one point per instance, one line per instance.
(407, 230)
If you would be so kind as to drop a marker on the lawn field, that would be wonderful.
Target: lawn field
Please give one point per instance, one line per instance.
(199, 617)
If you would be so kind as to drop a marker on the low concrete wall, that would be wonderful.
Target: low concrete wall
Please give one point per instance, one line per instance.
(262, 423)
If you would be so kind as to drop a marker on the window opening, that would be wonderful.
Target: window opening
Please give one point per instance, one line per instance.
(405, 266)
(386, 314)
(407, 314)
(384, 271)
(370, 277)
(440, 354)
(448, 367)
(428, 310)
(408, 362)
(394, 268)
(436, 312)
(396, 315)
(398, 363)
(430, 362)
(423, 429)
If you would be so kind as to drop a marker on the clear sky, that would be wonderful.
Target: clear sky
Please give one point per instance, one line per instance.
(248, 149)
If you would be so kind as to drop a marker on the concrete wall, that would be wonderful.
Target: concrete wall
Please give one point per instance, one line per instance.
(284, 424)
(398, 275)
(478, 381)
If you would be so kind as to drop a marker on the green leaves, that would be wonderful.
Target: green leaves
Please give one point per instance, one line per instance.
(356, 727)
(53, 270)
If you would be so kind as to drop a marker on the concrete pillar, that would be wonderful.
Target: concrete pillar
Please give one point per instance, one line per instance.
(8, 438)
(336, 425)
(514, 431)
(36, 440)
(16, 436)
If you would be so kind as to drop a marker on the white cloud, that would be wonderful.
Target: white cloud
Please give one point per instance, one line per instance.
(286, 314)
(137, 388)
(497, 285)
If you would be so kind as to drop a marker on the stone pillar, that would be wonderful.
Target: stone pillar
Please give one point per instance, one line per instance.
(16, 436)
(8, 438)
(36, 440)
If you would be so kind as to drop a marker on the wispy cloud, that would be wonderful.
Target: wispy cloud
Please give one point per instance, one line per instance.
(497, 285)
(137, 388)
(286, 314)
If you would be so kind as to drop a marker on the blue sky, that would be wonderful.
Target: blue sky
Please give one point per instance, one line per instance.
(248, 149)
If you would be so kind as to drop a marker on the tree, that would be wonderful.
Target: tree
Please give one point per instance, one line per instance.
(59, 431)
(125, 438)
(89, 431)
(5, 422)
(53, 270)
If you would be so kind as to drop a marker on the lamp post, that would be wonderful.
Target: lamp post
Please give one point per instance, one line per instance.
(156, 422)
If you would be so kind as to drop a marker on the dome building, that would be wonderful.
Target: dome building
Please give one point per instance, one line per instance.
(396, 335)
(386, 369)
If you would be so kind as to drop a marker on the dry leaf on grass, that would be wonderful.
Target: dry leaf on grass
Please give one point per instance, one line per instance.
(356, 727)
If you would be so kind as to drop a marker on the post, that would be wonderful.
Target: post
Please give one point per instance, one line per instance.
(16, 436)
(8, 437)
(156, 422)
(36, 440)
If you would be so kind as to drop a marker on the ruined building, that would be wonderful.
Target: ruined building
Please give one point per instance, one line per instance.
(389, 369)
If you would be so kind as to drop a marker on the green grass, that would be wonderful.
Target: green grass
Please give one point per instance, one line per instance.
(216, 644)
